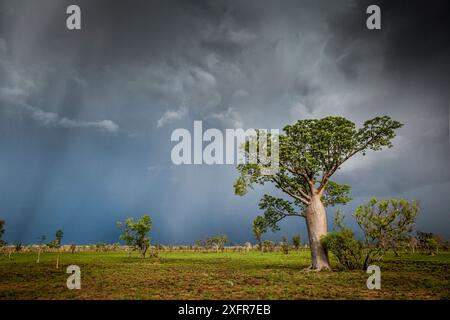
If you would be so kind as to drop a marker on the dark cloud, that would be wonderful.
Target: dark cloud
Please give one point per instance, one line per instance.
(86, 116)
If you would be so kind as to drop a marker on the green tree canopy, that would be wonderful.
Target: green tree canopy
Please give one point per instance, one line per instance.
(134, 232)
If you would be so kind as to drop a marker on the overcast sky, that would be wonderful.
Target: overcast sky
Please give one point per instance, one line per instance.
(86, 116)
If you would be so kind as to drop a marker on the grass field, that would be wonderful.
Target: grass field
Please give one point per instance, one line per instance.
(228, 275)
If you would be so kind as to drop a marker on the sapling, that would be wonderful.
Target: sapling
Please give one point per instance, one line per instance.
(41, 241)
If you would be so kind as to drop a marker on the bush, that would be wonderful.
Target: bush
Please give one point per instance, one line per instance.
(431, 242)
(296, 241)
(2, 231)
(349, 251)
(386, 224)
(18, 247)
(217, 242)
(284, 245)
(432, 246)
(134, 233)
(100, 246)
(267, 246)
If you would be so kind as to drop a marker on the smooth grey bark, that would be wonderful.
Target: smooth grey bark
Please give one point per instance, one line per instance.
(316, 222)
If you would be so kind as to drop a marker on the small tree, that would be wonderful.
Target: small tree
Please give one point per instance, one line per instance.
(424, 239)
(412, 243)
(384, 223)
(432, 246)
(59, 236)
(134, 233)
(284, 245)
(41, 241)
(259, 228)
(2, 232)
(349, 251)
(296, 241)
(430, 242)
(56, 244)
(217, 242)
(442, 243)
(311, 151)
(267, 246)
(18, 247)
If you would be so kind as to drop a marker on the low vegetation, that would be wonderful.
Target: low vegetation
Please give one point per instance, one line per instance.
(385, 224)
(183, 274)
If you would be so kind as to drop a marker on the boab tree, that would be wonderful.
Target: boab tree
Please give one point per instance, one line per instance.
(310, 152)
(56, 243)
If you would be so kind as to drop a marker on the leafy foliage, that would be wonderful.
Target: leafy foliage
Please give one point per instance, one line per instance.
(18, 247)
(217, 242)
(275, 209)
(310, 152)
(296, 241)
(431, 242)
(42, 239)
(134, 232)
(284, 245)
(384, 223)
(259, 228)
(56, 243)
(422, 237)
(268, 246)
(348, 250)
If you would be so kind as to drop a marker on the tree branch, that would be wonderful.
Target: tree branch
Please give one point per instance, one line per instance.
(326, 176)
(293, 195)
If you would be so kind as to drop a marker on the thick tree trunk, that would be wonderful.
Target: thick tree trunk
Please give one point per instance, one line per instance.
(316, 221)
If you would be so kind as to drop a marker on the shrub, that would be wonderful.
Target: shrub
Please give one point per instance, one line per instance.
(267, 246)
(432, 246)
(431, 242)
(296, 241)
(284, 245)
(100, 246)
(348, 251)
(217, 242)
(385, 224)
(18, 247)
(134, 233)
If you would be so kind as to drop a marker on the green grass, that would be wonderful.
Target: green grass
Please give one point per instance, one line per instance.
(228, 275)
